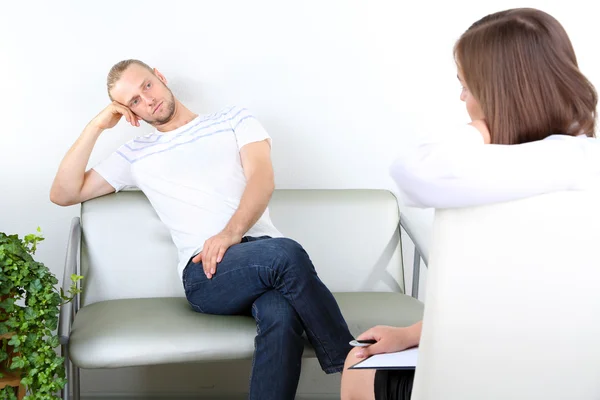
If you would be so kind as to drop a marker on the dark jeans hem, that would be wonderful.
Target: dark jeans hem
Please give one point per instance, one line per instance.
(333, 370)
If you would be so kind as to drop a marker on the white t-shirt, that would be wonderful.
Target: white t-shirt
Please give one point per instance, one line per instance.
(456, 169)
(193, 176)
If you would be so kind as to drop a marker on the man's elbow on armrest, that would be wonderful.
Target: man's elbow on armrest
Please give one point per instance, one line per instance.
(61, 199)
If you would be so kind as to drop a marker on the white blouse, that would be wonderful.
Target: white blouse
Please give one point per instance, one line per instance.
(458, 170)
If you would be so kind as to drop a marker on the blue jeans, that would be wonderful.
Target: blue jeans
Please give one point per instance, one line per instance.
(275, 281)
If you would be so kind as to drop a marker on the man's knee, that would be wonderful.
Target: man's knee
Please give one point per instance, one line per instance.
(290, 252)
(272, 309)
(288, 247)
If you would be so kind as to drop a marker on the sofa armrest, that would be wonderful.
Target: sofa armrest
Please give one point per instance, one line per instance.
(418, 224)
(68, 310)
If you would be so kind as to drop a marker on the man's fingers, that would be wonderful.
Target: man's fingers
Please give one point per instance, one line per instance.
(217, 257)
(212, 253)
(205, 258)
(213, 265)
(123, 113)
(127, 113)
(132, 119)
(209, 260)
(120, 109)
(207, 264)
(222, 251)
(206, 261)
(213, 259)
(197, 258)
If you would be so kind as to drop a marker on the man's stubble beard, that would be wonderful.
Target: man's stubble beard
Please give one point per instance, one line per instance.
(170, 104)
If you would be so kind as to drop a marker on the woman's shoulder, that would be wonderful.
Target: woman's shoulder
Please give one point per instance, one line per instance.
(581, 138)
(575, 143)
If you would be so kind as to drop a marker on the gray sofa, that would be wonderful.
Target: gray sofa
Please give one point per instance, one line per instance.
(132, 311)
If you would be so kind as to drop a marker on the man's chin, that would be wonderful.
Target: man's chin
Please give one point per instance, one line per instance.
(158, 122)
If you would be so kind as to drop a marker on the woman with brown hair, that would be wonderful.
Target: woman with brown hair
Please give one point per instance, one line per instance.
(533, 116)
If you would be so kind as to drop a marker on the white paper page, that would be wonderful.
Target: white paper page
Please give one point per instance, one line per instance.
(401, 359)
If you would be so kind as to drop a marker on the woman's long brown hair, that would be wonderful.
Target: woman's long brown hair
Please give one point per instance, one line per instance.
(520, 66)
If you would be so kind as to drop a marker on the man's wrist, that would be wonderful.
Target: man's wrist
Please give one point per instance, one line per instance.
(92, 130)
(233, 231)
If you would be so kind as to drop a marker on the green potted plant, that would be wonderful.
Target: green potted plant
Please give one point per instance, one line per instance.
(29, 309)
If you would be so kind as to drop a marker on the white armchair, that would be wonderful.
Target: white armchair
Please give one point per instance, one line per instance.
(513, 302)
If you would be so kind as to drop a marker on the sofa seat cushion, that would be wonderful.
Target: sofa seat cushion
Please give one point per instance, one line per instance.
(134, 332)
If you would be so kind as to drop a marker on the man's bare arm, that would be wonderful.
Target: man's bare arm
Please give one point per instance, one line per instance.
(72, 184)
(260, 183)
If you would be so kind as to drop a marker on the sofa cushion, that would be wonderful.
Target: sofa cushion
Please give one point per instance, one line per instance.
(134, 332)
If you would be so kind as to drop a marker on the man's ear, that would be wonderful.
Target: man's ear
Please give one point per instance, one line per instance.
(160, 76)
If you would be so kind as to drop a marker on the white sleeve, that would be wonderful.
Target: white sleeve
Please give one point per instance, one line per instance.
(246, 127)
(116, 170)
(462, 171)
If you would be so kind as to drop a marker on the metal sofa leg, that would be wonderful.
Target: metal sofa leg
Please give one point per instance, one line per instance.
(416, 274)
(76, 386)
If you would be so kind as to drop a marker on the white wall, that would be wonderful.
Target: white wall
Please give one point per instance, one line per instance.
(340, 85)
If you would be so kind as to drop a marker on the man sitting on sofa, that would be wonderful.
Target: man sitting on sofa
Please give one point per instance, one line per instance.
(210, 179)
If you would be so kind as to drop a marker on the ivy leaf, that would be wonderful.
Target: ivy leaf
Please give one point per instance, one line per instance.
(53, 342)
(28, 380)
(30, 339)
(8, 393)
(30, 314)
(52, 323)
(61, 382)
(17, 363)
(14, 341)
(8, 304)
(35, 286)
(38, 358)
(11, 323)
